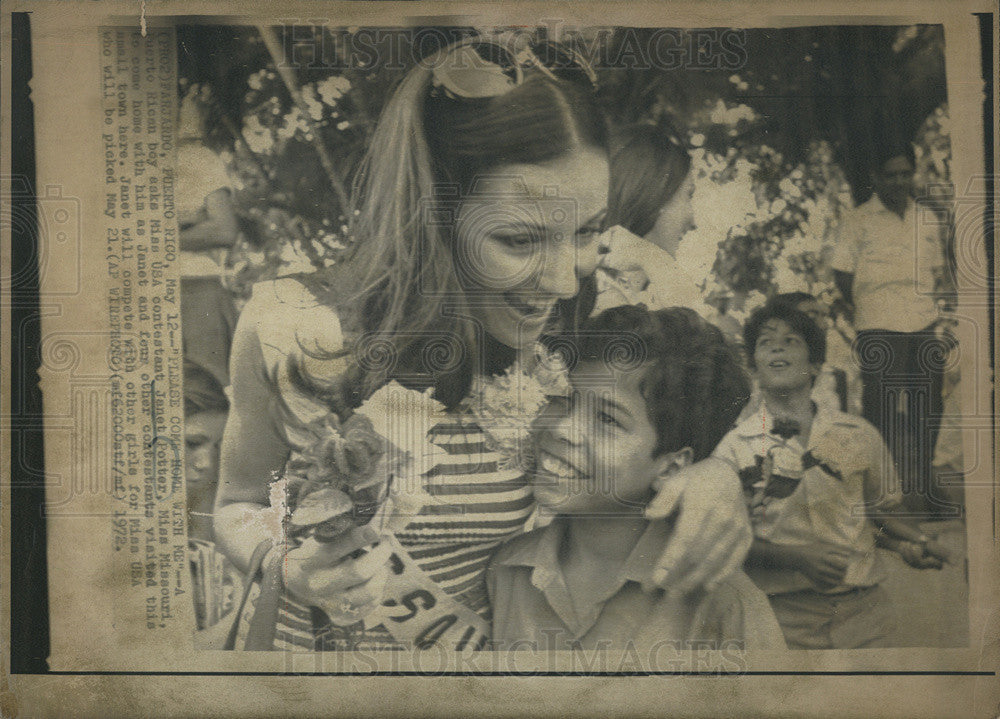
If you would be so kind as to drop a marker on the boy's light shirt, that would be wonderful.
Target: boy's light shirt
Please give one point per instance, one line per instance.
(200, 172)
(531, 602)
(209, 263)
(824, 394)
(635, 271)
(821, 507)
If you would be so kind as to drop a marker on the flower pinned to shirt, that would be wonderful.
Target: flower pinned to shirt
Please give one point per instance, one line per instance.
(837, 453)
(780, 468)
(405, 418)
(506, 406)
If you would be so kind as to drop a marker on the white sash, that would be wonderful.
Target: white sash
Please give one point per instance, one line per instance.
(415, 611)
(418, 613)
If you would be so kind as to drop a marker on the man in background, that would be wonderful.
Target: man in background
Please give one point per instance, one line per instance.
(887, 265)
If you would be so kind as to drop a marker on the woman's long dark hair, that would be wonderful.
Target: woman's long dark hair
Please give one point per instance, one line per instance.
(645, 174)
(399, 291)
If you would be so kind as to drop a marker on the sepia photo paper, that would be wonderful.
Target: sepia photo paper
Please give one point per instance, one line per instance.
(532, 358)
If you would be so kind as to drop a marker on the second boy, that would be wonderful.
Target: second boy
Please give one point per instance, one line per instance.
(816, 479)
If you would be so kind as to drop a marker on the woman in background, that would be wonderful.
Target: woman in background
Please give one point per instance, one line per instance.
(649, 211)
(209, 227)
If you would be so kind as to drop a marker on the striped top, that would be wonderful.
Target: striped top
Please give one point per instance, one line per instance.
(480, 503)
(481, 506)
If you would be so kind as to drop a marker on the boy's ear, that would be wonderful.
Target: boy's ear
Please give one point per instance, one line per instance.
(671, 462)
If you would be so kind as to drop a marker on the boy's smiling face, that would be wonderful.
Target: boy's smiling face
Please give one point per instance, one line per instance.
(781, 357)
(594, 449)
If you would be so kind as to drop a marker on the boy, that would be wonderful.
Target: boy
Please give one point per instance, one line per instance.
(831, 388)
(813, 476)
(214, 579)
(652, 392)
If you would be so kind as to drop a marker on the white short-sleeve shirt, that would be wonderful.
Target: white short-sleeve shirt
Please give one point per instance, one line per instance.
(200, 172)
(893, 261)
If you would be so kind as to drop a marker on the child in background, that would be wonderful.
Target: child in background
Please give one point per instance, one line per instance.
(206, 408)
(808, 470)
(831, 388)
(631, 422)
(214, 578)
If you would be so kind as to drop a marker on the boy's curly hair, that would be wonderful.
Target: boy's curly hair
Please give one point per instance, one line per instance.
(799, 322)
(693, 382)
(202, 391)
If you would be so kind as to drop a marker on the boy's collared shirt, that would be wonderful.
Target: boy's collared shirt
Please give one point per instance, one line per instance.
(200, 172)
(825, 393)
(798, 495)
(532, 606)
(893, 261)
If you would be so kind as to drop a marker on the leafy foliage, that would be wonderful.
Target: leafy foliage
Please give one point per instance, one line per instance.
(780, 143)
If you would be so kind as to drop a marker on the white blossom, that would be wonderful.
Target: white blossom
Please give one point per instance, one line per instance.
(725, 115)
(257, 137)
(312, 102)
(332, 89)
(256, 80)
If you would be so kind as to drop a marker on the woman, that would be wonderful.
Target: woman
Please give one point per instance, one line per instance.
(480, 202)
(649, 209)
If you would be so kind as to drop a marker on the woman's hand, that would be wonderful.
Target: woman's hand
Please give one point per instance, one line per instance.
(325, 576)
(712, 534)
